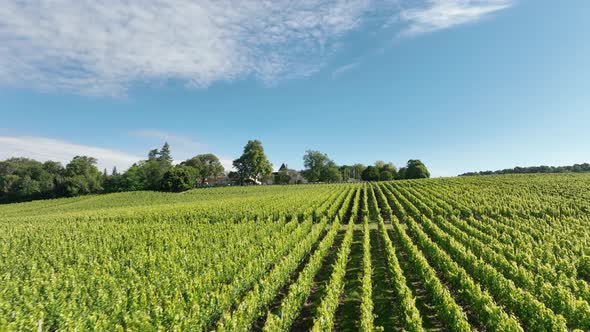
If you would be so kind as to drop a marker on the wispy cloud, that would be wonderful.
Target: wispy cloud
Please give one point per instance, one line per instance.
(103, 47)
(345, 68)
(442, 14)
(43, 149)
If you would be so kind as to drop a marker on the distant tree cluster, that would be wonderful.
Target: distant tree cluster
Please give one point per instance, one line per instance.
(577, 168)
(23, 179)
(320, 168)
(381, 171)
(414, 169)
(158, 173)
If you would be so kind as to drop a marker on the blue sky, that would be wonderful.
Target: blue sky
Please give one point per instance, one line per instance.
(463, 85)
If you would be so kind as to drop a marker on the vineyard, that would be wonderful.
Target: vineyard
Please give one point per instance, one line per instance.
(495, 253)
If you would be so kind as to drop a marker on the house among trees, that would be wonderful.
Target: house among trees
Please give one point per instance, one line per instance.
(286, 176)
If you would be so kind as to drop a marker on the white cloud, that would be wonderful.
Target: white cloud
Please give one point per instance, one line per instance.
(101, 47)
(442, 14)
(43, 149)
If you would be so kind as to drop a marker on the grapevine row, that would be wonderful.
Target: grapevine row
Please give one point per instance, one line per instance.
(407, 302)
(300, 290)
(533, 314)
(324, 320)
(446, 307)
(489, 314)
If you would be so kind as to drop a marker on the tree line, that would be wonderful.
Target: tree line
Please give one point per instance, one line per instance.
(320, 168)
(576, 168)
(23, 179)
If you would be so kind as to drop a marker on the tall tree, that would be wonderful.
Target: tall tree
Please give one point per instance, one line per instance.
(165, 155)
(319, 167)
(385, 176)
(346, 172)
(371, 173)
(357, 170)
(207, 166)
(401, 174)
(314, 162)
(387, 171)
(331, 173)
(134, 179)
(253, 164)
(153, 154)
(82, 176)
(415, 169)
(179, 178)
(152, 171)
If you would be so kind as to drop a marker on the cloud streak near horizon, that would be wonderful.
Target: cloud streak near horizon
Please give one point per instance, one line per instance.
(103, 47)
(44, 149)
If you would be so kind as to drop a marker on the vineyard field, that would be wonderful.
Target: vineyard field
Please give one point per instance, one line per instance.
(481, 253)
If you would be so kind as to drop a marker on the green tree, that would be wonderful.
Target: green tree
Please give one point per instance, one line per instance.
(207, 166)
(234, 178)
(152, 172)
(380, 164)
(114, 182)
(24, 179)
(179, 178)
(314, 162)
(385, 176)
(253, 164)
(401, 174)
(148, 174)
(133, 179)
(388, 169)
(164, 155)
(416, 170)
(345, 172)
(153, 154)
(282, 177)
(331, 173)
(357, 171)
(82, 177)
(319, 167)
(371, 173)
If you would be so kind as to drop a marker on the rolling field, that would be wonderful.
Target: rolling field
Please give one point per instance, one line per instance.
(496, 253)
